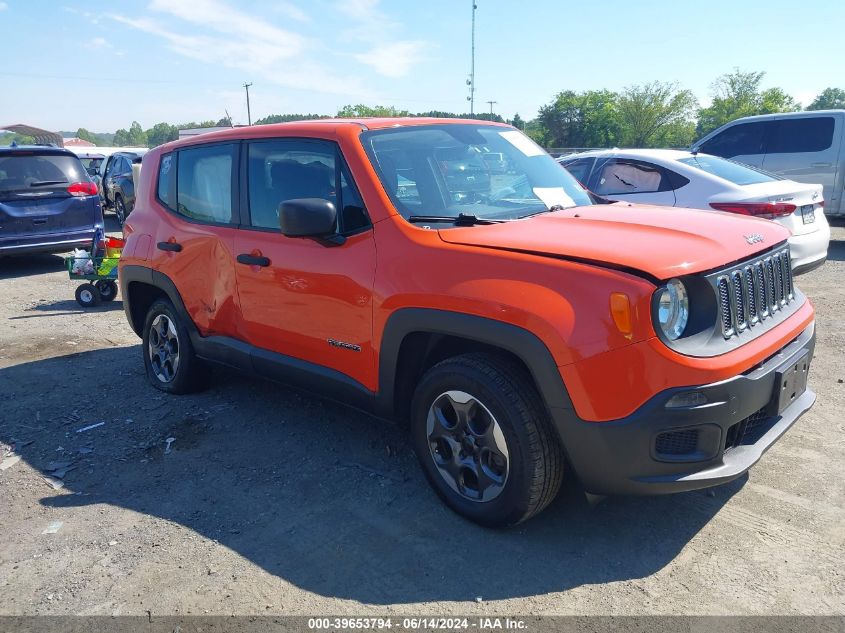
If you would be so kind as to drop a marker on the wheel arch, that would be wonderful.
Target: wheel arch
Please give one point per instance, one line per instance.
(416, 338)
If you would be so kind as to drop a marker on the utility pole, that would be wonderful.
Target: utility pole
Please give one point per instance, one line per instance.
(248, 115)
(491, 108)
(471, 80)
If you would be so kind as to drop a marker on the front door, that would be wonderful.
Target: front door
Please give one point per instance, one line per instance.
(303, 298)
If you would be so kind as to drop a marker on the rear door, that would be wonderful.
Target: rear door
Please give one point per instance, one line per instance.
(34, 196)
(631, 180)
(193, 243)
(802, 148)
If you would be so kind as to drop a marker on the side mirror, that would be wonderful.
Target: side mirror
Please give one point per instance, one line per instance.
(307, 217)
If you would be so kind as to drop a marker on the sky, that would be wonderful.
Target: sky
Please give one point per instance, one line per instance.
(101, 65)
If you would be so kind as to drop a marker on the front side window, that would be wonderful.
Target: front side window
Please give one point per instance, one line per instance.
(743, 139)
(299, 168)
(798, 135)
(731, 171)
(204, 183)
(580, 168)
(445, 170)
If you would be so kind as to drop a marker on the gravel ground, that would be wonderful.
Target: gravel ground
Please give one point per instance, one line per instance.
(274, 502)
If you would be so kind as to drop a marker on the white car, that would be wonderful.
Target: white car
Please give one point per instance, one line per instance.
(700, 181)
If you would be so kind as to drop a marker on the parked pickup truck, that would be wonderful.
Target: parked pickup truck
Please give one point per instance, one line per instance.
(529, 332)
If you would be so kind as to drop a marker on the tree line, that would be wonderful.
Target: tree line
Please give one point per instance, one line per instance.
(656, 114)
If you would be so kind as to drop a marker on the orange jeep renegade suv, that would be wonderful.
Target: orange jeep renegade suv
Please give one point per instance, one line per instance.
(523, 327)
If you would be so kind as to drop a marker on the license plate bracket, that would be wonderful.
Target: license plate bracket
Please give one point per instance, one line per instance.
(791, 381)
(808, 213)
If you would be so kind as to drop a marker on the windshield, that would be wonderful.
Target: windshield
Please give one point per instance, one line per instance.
(731, 171)
(480, 170)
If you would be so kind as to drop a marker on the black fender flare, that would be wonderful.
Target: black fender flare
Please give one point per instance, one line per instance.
(516, 340)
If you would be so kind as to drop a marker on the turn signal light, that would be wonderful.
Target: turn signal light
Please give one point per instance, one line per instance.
(79, 189)
(757, 209)
(620, 310)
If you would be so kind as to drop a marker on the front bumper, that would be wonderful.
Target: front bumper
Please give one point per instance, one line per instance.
(659, 450)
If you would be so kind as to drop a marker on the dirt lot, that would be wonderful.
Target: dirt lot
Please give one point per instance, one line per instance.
(270, 501)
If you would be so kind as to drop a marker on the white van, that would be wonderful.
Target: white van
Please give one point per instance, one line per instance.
(802, 146)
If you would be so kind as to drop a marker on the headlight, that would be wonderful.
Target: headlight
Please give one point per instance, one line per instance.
(673, 309)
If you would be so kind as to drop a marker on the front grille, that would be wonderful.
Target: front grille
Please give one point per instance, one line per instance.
(749, 430)
(753, 292)
(677, 442)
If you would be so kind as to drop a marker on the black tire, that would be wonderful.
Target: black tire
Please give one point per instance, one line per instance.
(188, 373)
(107, 288)
(120, 209)
(87, 295)
(534, 456)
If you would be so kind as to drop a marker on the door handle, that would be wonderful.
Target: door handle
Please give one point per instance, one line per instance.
(253, 260)
(820, 164)
(173, 247)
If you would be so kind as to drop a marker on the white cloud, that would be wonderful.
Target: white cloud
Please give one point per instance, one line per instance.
(3, 6)
(97, 43)
(219, 34)
(388, 55)
(393, 59)
(291, 11)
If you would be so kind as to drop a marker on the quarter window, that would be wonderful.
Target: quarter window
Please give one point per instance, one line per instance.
(580, 168)
(165, 181)
(793, 136)
(204, 183)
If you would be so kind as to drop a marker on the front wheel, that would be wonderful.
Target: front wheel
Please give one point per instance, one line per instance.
(169, 357)
(485, 440)
(87, 295)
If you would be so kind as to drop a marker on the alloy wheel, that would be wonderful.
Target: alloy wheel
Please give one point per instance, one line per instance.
(467, 446)
(163, 348)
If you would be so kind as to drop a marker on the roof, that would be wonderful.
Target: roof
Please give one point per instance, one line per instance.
(40, 136)
(77, 142)
(665, 154)
(41, 149)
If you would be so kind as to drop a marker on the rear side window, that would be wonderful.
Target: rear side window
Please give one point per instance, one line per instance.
(27, 171)
(167, 182)
(729, 170)
(744, 139)
(204, 183)
(798, 135)
(620, 176)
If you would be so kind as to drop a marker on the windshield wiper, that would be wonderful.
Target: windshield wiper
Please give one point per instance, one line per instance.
(554, 207)
(44, 183)
(462, 219)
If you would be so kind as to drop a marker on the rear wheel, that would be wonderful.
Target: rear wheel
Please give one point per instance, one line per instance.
(107, 289)
(87, 295)
(120, 209)
(485, 440)
(169, 356)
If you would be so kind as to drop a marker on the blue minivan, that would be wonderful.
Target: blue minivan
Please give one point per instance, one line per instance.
(48, 202)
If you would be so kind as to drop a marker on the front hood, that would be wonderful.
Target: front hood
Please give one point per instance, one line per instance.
(663, 242)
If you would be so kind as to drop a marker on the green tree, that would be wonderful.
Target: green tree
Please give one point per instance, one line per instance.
(285, 118)
(121, 138)
(85, 135)
(653, 113)
(828, 99)
(161, 133)
(517, 122)
(738, 94)
(360, 110)
(586, 119)
(137, 136)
